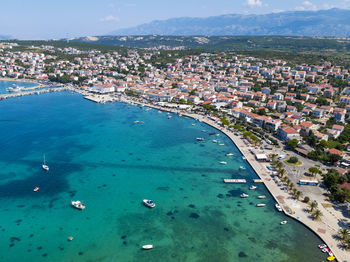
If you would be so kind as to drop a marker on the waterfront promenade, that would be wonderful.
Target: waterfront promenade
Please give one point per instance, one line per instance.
(327, 228)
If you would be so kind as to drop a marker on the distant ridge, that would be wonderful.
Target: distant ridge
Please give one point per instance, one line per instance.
(331, 22)
(4, 37)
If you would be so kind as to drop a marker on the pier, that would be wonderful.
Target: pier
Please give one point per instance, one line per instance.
(230, 181)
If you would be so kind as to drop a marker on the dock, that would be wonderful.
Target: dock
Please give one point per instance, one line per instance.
(228, 180)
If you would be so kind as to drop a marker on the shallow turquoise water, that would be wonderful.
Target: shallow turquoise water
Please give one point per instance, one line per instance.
(6, 84)
(98, 155)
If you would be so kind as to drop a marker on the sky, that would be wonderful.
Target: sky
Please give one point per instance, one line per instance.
(50, 19)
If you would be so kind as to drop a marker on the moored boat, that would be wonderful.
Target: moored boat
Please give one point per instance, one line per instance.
(229, 154)
(260, 205)
(200, 139)
(283, 222)
(278, 207)
(78, 205)
(44, 166)
(223, 163)
(243, 195)
(36, 189)
(147, 247)
(262, 196)
(243, 157)
(252, 187)
(149, 203)
(242, 168)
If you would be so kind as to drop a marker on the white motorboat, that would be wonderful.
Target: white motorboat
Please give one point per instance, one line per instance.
(215, 141)
(147, 247)
(221, 144)
(283, 222)
(262, 196)
(243, 195)
(278, 207)
(14, 88)
(260, 205)
(78, 205)
(242, 168)
(229, 154)
(243, 157)
(223, 163)
(252, 187)
(149, 203)
(200, 139)
(44, 166)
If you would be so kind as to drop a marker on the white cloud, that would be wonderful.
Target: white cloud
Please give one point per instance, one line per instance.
(110, 18)
(254, 3)
(307, 3)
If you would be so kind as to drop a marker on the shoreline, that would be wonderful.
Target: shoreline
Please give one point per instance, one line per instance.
(291, 207)
(324, 229)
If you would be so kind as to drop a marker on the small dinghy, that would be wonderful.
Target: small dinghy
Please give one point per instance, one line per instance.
(147, 247)
(283, 222)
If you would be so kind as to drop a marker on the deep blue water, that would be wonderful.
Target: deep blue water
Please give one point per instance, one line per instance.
(98, 155)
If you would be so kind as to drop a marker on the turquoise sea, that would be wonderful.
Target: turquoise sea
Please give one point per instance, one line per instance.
(98, 155)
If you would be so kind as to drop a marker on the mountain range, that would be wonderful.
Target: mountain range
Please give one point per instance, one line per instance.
(331, 22)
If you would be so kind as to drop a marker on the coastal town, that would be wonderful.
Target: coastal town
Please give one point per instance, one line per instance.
(290, 121)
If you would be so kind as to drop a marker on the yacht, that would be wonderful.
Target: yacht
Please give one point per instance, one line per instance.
(229, 154)
(252, 187)
(214, 141)
(262, 196)
(78, 205)
(200, 139)
(36, 189)
(221, 144)
(242, 168)
(223, 163)
(147, 247)
(44, 166)
(243, 195)
(278, 207)
(283, 222)
(149, 203)
(260, 205)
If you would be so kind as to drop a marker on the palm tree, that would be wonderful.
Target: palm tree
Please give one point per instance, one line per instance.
(343, 233)
(294, 191)
(298, 194)
(317, 214)
(313, 205)
(282, 172)
(347, 243)
(279, 165)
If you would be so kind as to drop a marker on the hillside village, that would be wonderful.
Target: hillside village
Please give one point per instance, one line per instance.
(307, 103)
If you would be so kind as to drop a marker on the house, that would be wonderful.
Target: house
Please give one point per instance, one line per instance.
(272, 124)
(319, 136)
(333, 151)
(102, 88)
(318, 112)
(306, 127)
(286, 133)
(345, 100)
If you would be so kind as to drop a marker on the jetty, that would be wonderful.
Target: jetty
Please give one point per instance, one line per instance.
(230, 181)
(33, 92)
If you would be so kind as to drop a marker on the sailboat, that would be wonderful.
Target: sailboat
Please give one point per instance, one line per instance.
(44, 166)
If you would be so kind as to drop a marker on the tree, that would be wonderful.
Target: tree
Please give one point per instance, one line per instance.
(293, 160)
(317, 214)
(282, 172)
(293, 143)
(313, 205)
(343, 233)
(314, 170)
(298, 194)
(306, 199)
(334, 158)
